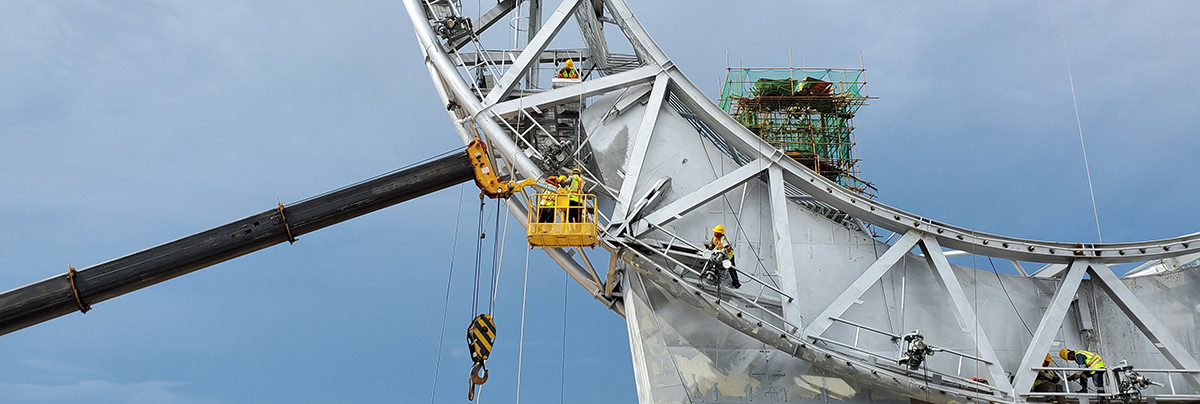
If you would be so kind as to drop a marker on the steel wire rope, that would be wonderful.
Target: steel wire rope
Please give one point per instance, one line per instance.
(903, 291)
(736, 219)
(1099, 336)
(1010, 300)
(480, 52)
(446, 304)
(882, 289)
(478, 258)
(579, 120)
(521, 337)
(499, 264)
(975, 305)
(562, 372)
(496, 246)
(1078, 123)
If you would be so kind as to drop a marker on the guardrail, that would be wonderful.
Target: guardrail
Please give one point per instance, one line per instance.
(1159, 390)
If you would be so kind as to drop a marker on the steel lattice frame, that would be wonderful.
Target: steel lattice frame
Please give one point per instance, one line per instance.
(1066, 262)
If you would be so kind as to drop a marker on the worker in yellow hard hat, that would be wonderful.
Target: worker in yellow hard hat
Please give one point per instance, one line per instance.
(560, 203)
(574, 187)
(568, 71)
(546, 202)
(1047, 380)
(721, 244)
(1087, 360)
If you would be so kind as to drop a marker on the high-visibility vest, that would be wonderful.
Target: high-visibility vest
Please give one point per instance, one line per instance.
(576, 188)
(719, 244)
(546, 200)
(1092, 360)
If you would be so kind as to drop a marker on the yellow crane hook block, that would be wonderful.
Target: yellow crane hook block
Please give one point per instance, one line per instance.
(554, 221)
(481, 334)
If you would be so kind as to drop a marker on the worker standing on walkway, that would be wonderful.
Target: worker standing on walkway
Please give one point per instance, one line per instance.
(546, 202)
(575, 193)
(721, 245)
(1088, 360)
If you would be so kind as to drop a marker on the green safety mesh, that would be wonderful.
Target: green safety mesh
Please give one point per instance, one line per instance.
(805, 112)
(746, 82)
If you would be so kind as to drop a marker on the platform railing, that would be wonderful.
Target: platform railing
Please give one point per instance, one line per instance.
(1161, 390)
(568, 220)
(895, 338)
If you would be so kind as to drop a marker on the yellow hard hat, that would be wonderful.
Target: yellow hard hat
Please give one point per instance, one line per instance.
(1047, 359)
(719, 229)
(570, 64)
(1063, 353)
(575, 170)
(562, 178)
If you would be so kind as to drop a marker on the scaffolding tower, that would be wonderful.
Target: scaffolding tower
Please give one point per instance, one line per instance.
(807, 113)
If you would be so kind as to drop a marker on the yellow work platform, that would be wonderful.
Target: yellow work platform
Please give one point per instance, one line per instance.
(555, 222)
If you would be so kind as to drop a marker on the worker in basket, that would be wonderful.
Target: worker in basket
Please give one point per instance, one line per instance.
(547, 201)
(568, 71)
(1088, 360)
(575, 195)
(1047, 381)
(721, 245)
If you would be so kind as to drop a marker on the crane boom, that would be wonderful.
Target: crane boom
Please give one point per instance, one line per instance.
(76, 290)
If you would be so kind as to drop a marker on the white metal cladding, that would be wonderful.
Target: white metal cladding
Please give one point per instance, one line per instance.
(668, 163)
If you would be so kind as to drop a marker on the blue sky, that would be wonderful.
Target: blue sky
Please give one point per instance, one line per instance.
(125, 125)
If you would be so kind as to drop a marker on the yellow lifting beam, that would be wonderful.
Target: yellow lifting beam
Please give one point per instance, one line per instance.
(485, 176)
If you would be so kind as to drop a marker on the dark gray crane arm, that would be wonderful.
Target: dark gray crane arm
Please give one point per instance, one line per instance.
(72, 291)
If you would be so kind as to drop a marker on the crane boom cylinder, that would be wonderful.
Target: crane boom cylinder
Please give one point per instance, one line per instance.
(54, 297)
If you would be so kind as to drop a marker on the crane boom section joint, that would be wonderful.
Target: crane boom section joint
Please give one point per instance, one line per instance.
(83, 307)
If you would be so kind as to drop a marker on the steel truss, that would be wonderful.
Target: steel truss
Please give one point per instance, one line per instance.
(634, 228)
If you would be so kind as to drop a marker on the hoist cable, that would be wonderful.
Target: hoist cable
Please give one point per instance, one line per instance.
(446, 303)
(478, 260)
(500, 264)
(496, 246)
(741, 230)
(562, 372)
(1010, 300)
(521, 338)
(1078, 123)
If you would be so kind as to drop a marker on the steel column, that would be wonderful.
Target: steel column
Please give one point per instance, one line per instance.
(532, 52)
(1145, 320)
(785, 265)
(572, 93)
(1051, 322)
(963, 312)
(860, 285)
(700, 196)
(641, 142)
(535, 24)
